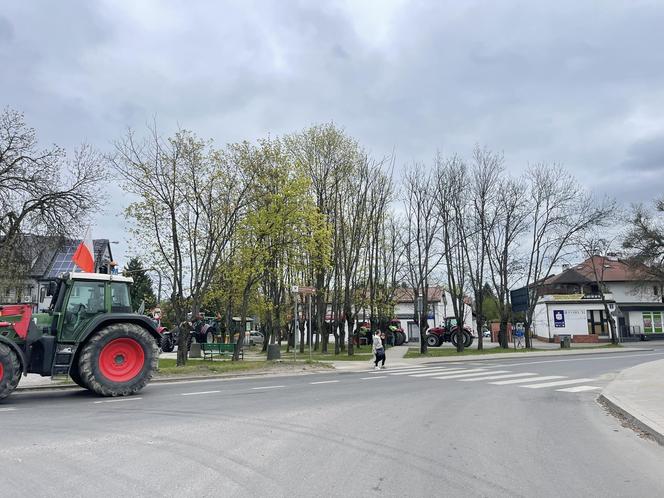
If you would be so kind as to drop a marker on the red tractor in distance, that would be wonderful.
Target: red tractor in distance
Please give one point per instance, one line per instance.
(449, 332)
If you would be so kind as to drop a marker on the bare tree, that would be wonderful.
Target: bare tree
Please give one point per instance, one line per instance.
(487, 167)
(509, 225)
(560, 210)
(596, 249)
(41, 191)
(452, 182)
(423, 229)
(645, 239)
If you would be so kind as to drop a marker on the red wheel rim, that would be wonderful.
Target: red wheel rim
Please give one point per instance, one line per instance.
(121, 360)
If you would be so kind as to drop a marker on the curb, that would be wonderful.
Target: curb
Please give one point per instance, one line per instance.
(629, 414)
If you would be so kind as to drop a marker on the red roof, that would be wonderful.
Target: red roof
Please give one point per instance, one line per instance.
(608, 270)
(406, 295)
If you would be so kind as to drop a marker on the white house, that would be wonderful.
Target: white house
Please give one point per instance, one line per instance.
(439, 307)
(570, 303)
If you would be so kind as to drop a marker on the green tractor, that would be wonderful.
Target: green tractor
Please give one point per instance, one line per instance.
(89, 333)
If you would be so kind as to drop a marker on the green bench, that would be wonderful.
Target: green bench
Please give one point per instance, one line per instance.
(210, 349)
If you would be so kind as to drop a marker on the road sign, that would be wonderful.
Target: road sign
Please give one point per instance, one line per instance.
(295, 289)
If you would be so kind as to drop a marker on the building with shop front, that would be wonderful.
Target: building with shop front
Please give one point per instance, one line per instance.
(570, 303)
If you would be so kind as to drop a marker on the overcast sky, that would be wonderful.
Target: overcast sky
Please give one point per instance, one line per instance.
(578, 83)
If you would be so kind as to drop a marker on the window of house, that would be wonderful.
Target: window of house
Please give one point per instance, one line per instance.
(655, 290)
(652, 322)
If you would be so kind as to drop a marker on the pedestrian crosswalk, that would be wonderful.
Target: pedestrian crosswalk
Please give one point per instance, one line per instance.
(460, 373)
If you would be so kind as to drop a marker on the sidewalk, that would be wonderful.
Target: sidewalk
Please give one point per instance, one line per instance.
(638, 394)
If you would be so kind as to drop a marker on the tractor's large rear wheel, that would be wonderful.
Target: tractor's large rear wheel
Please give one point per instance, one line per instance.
(75, 375)
(10, 371)
(118, 360)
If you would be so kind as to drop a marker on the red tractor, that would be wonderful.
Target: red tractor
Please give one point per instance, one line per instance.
(449, 332)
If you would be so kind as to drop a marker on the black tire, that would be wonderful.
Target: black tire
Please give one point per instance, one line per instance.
(399, 338)
(94, 367)
(454, 338)
(167, 345)
(432, 340)
(209, 337)
(75, 375)
(467, 339)
(10, 371)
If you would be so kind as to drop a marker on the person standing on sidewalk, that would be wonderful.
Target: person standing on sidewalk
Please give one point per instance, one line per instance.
(379, 350)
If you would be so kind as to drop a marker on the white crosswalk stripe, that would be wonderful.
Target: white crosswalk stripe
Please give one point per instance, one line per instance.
(430, 373)
(462, 375)
(450, 372)
(401, 369)
(578, 389)
(558, 383)
(530, 379)
(496, 377)
(484, 373)
(420, 370)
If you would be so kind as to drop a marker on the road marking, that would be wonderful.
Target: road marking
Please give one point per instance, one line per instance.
(584, 357)
(374, 377)
(462, 375)
(268, 387)
(428, 370)
(7, 409)
(116, 400)
(456, 371)
(408, 369)
(558, 383)
(578, 389)
(516, 381)
(324, 382)
(200, 392)
(495, 377)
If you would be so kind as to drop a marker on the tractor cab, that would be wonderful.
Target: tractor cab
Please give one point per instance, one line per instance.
(79, 298)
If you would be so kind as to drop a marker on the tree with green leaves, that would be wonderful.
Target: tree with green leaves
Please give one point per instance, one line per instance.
(142, 289)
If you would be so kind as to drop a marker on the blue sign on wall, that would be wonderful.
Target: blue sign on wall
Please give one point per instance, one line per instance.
(559, 318)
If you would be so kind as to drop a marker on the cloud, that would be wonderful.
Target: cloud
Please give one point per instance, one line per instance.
(564, 82)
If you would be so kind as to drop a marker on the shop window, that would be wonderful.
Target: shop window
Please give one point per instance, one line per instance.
(647, 322)
(597, 323)
(657, 322)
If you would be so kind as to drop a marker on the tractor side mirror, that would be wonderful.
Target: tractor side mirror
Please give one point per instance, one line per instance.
(52, 288)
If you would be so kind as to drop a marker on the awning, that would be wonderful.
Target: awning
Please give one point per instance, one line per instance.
(641, 307)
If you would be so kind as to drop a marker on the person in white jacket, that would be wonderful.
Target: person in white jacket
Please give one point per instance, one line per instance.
(378, 350)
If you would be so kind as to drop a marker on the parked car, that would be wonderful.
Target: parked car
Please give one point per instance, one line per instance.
(253, 337)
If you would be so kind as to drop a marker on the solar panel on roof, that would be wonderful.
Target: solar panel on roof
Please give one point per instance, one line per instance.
(62, 262)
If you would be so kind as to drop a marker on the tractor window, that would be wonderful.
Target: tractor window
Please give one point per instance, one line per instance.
(121, 302)
(87, 297)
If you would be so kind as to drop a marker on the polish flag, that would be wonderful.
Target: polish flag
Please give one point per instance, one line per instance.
(84, 255)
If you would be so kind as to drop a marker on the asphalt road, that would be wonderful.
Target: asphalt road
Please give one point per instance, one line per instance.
(437, 430)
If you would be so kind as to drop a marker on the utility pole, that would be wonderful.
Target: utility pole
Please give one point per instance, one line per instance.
(295, 290)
